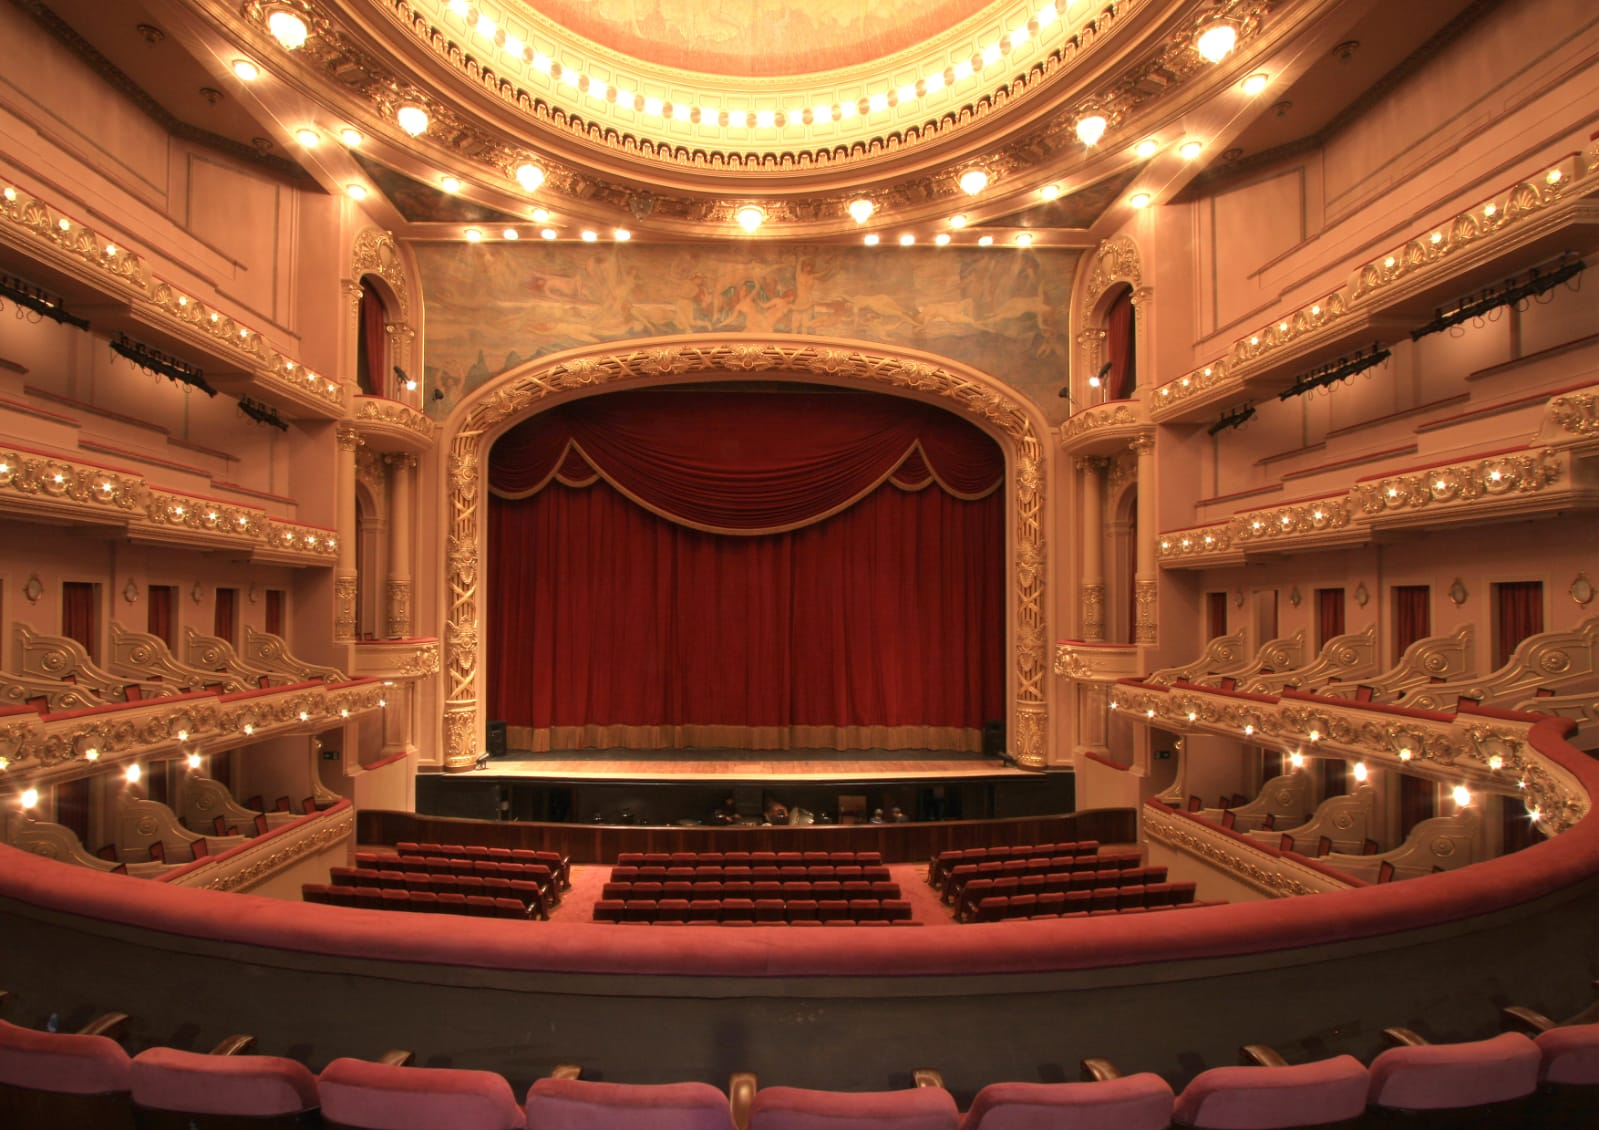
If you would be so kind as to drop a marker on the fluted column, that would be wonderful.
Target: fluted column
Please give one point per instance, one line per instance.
(397, 588)
(1144, 572)
(344, 578)
(1091, 592)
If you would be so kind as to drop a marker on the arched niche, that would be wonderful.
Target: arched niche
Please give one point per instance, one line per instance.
(1111, 271)
(378, 265)
(501, 403)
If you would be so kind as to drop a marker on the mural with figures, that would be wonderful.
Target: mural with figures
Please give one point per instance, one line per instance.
(493, 307)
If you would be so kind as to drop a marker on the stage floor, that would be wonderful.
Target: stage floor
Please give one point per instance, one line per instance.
(685, 766)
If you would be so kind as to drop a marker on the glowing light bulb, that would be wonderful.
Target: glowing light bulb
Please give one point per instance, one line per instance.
(1146, 149)
(750, 218)
(245, 70)
(1216, 42)
(1296, 759)
(308, 138)
(412, 119)
(355, 191)
(29, 798)
(1091, 128)
(183, 735)
(1190, 150)
(973, 181)
(351, 137)
(473, 235)
(1406, 754)
(1462, 796)
(871, 239)
(1139, 199)
(529, 176)
(861, 210)
(91, 754)
(1496, 763)
(287, 28)
(194, 761)
(1255, 83)
(133, 773)
(1360, 771)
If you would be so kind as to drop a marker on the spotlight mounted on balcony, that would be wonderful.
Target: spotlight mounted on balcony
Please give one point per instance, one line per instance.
(162, 364)
(1237, 418)
(1335, 371)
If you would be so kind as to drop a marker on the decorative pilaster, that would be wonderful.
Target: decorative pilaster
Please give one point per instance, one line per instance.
(1091, 534)
(345, 582)
(1144, 628)
(1027, 747)
(397, 590)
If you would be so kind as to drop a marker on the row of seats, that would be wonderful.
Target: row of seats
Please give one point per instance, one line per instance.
(1078, 904)
(558, 863)
(539, 873)
(794, 888)
(754, 912)
(744, 858)
(531, 891)
(654, 872)
(1508, 1081)
(975, 890)
(962, 873)
(946, 861)
(518, 900)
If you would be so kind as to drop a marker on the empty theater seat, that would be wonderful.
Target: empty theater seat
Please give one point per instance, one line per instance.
(51, 1079)
(576, 1104)
(1477, 1083)
(1270, 1094)
(1134, 1102)
(179, 1090)
(795, 1108)
(360, 1095)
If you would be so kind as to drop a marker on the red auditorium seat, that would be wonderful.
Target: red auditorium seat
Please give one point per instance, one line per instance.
(672, 910)
(178, 1090)
(1568, 1074)
(50, 1079)
(1497, 1077)
(1134, 1102)
(358, 1095)
(575, 1104)
(1329, 1092)
(794, 1108)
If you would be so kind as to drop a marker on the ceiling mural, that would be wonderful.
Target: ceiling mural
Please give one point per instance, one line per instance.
(757, 38)
(491, 308)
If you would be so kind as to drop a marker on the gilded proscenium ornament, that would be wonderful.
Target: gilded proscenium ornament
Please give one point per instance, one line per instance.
(1576, 413)
(520, 394)
(1454, 750)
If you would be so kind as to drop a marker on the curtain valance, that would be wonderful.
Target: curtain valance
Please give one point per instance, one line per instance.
(737, 462)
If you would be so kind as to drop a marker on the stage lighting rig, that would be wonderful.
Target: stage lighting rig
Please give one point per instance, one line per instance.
(1237, 418)
(1335, 371)
(1475, 306)
(262, 413)
(30, 297)
(154, 361)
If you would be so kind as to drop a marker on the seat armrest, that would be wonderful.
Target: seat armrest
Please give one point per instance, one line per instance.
(1260, 1055)
(1403, 1038)
(397, 1058)
(1515, 1018)
(112, 1024)
(566, 1071)
(234, 1045)
(1097, 1069)
(741, 1088)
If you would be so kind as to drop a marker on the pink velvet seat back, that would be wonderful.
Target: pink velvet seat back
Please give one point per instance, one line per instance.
(1271, 1098)
(794, 1108)
(68, 1064)
(252, 1085)
(575, 1104)
(377, 1096)
(1448, 1076)
(1135, 1102)
(1570, 1055)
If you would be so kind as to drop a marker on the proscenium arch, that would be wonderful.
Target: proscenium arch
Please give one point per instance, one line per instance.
(989, 404)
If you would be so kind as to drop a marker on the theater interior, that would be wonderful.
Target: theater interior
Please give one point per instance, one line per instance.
(1009, 563)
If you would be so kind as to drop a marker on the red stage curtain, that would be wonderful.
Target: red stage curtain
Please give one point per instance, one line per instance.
(1215, 614)
(1121, 348)
(1329, 615)
(1412, 616)
(1518, 614)
(887, 612)
(80, 615)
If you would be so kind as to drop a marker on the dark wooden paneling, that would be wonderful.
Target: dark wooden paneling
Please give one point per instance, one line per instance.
(600, 843)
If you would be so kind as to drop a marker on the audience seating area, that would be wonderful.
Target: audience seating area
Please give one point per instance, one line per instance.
(433, 879)
(1509, 1081)
(1052, 881)
(761, 888)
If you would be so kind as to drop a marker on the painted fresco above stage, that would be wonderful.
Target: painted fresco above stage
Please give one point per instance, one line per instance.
(490, 308)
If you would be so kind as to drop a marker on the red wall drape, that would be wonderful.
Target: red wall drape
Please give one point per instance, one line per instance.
(371, 344)
(1215, 615)
(1121, 348)
(161, 620)
(859, 603)
(275, 600)
(1518, 613)
(1412, 616)
(1329, 615)
(80, 615)
(226, 621)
